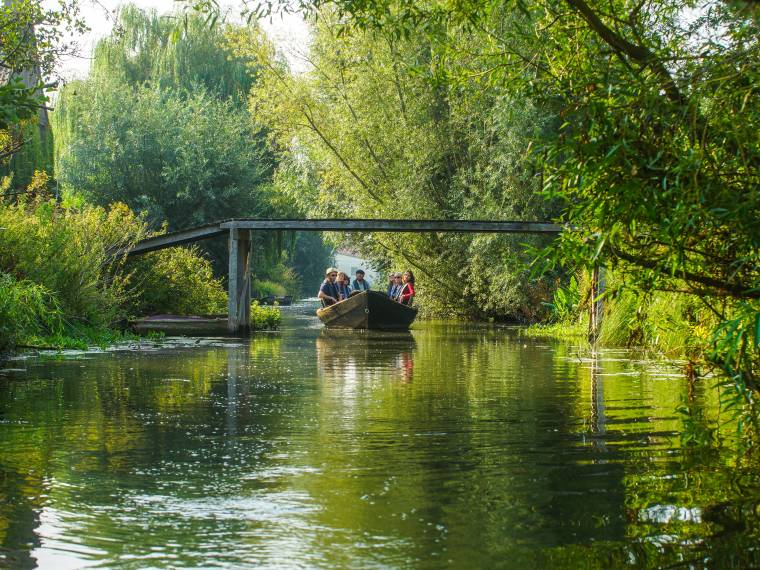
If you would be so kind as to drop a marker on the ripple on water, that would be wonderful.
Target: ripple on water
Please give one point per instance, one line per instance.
(450, 446)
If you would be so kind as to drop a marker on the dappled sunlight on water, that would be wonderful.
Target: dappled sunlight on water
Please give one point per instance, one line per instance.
(452, 445)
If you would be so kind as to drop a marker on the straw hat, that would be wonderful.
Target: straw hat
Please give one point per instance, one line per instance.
(330, 270)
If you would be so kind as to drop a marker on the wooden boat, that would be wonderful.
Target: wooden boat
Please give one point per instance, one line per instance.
(368, 310)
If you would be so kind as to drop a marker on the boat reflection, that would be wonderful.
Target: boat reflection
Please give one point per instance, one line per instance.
(356, 354)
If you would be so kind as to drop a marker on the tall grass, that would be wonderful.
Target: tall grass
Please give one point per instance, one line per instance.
(71, 253)
(673, 324)
(26, 309)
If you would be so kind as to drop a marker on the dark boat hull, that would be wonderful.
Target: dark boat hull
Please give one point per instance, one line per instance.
(368, 310)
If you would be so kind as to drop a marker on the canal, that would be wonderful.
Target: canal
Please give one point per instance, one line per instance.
(452, 446)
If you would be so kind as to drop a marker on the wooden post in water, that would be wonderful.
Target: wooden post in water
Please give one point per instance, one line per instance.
(239, 282)
(596, 303)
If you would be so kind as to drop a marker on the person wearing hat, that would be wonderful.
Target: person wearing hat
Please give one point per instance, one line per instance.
(397, 284)
(343, 284)
(328, 291)
(360, 283)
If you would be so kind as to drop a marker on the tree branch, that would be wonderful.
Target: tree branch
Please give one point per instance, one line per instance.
(638, 53)
(738, 290)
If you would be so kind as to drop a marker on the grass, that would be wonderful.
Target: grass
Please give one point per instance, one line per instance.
(82, 338)
(564, 330)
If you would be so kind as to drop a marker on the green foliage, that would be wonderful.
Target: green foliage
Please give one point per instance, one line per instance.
(17, 102)
(566, 301)
(264, 288)
(32, 39)
(34, 154)
(735, 350)
(178, 281)
(70, 253)
(64, 284)
(577, 331)
(26, 308)
(364, 135)
(161, 125)
(171, 53)
(655, 163)
(182, 159)
(697, 431)
(264, 317)
(77, 337)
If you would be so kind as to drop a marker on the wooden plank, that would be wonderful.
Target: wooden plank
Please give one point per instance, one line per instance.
(181, 237)
(377, 225)
(173, 239)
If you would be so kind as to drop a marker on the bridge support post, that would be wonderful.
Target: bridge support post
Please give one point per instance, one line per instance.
(239, 282)
(596, 303)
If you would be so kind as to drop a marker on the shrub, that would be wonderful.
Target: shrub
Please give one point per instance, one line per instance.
(178, 281)
(26, 309)
(264, 288)
(565, 302)
(64, 279)
(264, 317)
(71, 253)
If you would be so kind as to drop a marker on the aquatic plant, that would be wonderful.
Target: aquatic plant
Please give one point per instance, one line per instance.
(264, 317)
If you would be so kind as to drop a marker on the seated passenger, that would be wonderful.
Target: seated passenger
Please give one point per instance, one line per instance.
(391, 284)
(397, 284)
(406, 294)
(343, 289)
(360, 283)
(328, 291)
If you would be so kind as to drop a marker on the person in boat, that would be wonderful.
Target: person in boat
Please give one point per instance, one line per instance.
(360, 283)
(328, 291)
(344, 290)
(406, 293)
(397, 284)
(391, 284)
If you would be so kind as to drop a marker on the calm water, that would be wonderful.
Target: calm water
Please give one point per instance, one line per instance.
(452, 446)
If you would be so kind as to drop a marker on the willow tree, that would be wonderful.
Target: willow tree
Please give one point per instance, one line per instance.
(384, 143)
(31, 43)
(160, 124)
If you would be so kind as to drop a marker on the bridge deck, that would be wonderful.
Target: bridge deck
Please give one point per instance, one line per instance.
(181, 237)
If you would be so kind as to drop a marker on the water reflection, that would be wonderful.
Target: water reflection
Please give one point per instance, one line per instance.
(352, 355)
(456, 446)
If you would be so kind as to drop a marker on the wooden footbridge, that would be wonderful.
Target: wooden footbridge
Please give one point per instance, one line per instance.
(239, 236)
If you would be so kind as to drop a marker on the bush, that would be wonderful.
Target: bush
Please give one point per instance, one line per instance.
(64, 281)
(71, 253)
(26, 309)
(178, 281)
(264, 318)
(264, 288)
